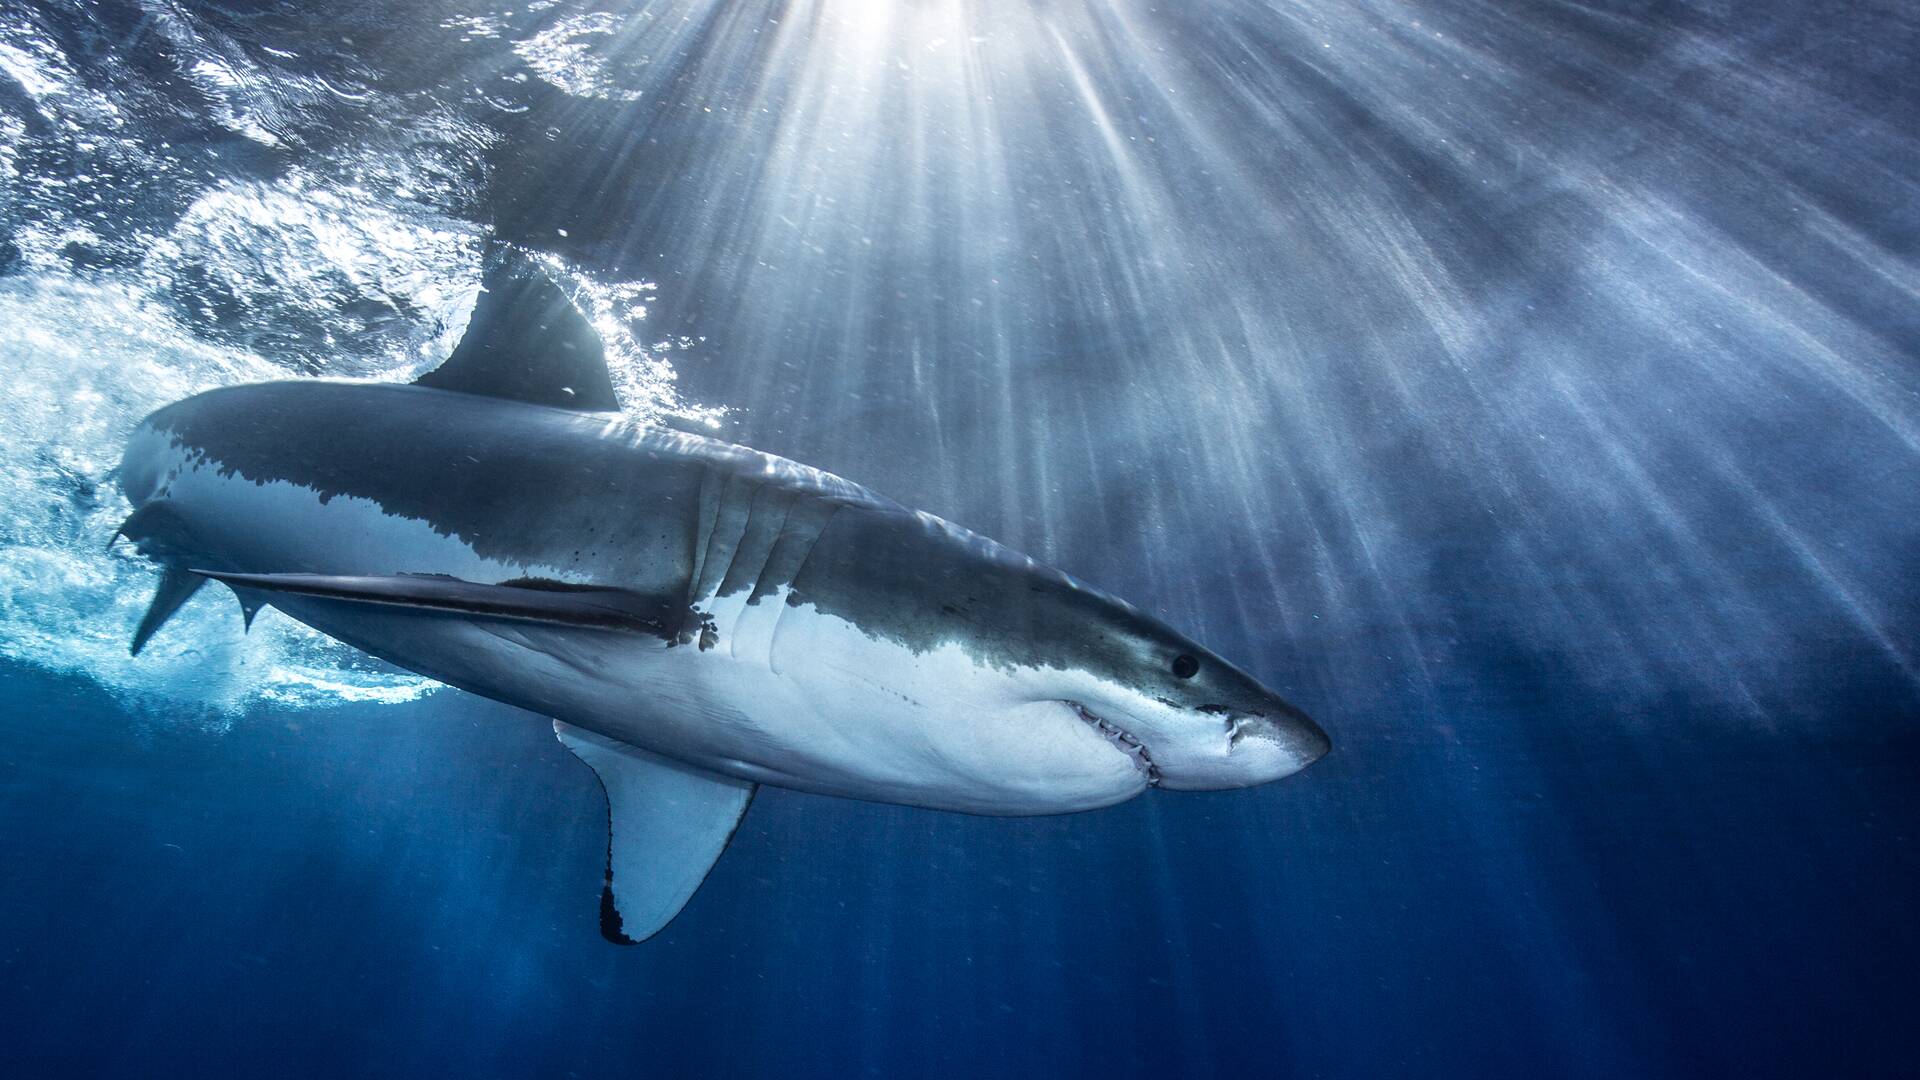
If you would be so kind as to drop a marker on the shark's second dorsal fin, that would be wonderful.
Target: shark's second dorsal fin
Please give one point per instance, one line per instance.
(527, 341)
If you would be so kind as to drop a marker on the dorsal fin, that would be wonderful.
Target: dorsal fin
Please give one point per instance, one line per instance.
(527, 341)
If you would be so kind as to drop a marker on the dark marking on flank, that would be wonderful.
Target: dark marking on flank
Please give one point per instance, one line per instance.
(697, 627)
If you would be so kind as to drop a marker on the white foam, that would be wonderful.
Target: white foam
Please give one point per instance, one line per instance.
(82, 364)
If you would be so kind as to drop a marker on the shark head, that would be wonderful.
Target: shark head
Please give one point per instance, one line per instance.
(1191, 720)
(1070, 654)
(1194, 721)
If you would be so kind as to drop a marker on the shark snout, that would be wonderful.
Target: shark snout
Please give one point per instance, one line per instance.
(1279, 744)
(1215, 748)
(1260, 746)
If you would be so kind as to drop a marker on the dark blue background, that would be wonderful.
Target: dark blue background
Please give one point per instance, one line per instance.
(403, 890)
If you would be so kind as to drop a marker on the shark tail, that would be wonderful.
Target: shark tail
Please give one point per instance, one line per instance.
(177, 586)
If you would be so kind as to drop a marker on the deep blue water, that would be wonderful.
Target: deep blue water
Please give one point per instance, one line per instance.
(1529, 391)
(413, 889)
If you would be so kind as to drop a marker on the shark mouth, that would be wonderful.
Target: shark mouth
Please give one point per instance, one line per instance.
(1135, 750)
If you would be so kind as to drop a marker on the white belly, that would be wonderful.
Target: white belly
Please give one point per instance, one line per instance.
(840, 715)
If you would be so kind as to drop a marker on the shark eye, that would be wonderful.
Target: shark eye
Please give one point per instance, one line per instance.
(1185, 667)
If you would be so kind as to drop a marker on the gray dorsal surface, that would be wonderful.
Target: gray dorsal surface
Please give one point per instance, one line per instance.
(667, 824)
(527, 341)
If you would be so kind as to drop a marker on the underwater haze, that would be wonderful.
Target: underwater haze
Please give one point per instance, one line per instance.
(1529, 391)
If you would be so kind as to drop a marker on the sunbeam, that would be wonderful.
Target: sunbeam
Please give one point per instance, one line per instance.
(1426, 308)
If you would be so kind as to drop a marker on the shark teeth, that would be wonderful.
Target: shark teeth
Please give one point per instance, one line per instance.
(1135, 750)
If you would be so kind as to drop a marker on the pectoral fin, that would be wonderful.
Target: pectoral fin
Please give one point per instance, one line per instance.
(667, 824)
(176, 587)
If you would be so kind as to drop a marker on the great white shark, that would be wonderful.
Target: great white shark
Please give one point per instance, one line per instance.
(696, 618)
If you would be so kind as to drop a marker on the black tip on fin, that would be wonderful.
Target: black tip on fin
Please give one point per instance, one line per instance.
(610, 921)
(176, 586)
(527, 341)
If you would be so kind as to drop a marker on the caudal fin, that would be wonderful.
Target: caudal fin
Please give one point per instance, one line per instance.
(176, 587)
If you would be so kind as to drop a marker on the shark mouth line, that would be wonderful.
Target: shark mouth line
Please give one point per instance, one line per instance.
(1135, 750)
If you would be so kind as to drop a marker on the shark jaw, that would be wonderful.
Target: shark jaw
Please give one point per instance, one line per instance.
(1122, 740)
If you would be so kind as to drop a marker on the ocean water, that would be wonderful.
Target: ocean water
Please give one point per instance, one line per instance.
(1529, 391)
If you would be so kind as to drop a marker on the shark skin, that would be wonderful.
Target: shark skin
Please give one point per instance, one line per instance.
(698, 618)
